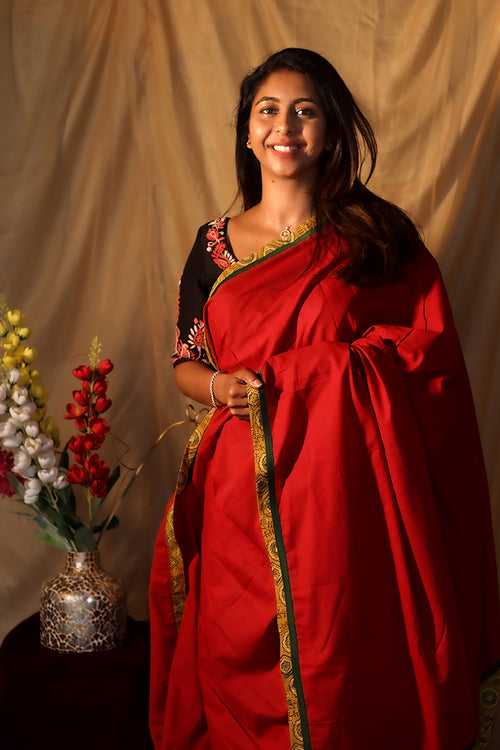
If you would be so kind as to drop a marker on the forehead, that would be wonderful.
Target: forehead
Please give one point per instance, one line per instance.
(285, 84)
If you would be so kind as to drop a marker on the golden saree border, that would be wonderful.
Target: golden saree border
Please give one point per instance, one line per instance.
(274, 247)
(273, 540)
(177, 578)
(294, 235)
(488, 709)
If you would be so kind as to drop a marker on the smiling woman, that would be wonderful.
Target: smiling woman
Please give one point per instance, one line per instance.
(324, 577)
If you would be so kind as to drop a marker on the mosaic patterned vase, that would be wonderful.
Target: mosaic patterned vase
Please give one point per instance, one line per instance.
(83, 608)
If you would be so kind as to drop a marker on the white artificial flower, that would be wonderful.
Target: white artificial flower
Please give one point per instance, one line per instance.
(20, 395)
(47, 459)
(61, 482)
(3, 407)
(33, 485)
(22, 414)
(13, 375)
(3, 391)
(30, 496)
(33, 445)
(13, 441)
(8, 428)
(46, 442)
(32, 429)
(48, 476)
(22, 460)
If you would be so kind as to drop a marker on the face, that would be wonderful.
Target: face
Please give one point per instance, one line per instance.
(287, 125)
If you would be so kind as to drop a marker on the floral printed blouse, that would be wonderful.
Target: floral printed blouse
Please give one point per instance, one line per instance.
(209, 256)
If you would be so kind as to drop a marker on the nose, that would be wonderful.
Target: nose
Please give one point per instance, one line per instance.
(285, 123)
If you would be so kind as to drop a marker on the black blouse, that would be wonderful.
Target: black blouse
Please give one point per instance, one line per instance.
(209, 256)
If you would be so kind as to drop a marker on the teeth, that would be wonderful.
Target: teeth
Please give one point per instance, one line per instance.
(286, 148)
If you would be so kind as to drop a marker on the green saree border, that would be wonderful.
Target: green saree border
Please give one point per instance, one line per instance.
(176, 565)
(270, 523)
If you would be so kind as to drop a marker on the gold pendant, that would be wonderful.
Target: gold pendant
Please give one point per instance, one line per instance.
(286, 234)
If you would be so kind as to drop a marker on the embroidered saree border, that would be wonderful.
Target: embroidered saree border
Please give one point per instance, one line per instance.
(177, 580)
(488, 708)
(273, 539)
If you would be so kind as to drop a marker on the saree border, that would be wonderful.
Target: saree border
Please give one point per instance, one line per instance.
(270, 524)
(176, 565)
(274, 247)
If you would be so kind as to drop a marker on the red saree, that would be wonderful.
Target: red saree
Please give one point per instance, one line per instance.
(325, 578)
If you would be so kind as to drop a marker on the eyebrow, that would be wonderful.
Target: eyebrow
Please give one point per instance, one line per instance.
(276, 99)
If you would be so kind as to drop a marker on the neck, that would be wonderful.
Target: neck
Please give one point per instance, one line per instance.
(285, 202)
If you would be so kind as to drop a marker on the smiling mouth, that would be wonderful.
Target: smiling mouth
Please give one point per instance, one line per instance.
(285, 149)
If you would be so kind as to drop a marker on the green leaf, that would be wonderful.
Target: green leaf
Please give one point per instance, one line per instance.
(115, 521)
(84, 539)
(113, 477)
(64, 460)
(14, 482)
(67, 498)
(51, 537)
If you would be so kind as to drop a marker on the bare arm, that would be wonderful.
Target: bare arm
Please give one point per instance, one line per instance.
(193, 380)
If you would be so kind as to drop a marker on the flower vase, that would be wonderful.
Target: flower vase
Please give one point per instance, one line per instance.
(83, 608)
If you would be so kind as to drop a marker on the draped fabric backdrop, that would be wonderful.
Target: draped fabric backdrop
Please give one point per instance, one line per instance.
(117, 143)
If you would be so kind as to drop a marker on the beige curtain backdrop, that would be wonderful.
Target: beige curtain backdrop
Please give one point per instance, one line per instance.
(117, 143)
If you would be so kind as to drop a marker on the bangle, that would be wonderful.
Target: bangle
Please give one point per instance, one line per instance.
(213, 398)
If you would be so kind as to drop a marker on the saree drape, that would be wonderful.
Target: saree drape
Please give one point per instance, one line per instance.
(324, 577)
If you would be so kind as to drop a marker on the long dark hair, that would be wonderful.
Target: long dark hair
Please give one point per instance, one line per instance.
(380, 237)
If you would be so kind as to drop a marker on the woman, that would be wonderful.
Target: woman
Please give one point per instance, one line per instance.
(324, 577)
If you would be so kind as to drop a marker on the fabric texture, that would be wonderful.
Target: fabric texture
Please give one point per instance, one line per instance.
(324, 577)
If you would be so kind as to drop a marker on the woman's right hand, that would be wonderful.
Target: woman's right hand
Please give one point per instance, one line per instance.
(230, 389)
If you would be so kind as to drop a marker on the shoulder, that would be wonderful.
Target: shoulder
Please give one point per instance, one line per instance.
(211, 241)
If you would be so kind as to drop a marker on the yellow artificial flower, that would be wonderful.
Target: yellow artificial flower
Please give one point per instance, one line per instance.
(29, 353)
(14, 317)
(34, 374)
(38, 391)
(8, 361)
(13, 339)
(23, 333)
(24, 376)
(3, 328)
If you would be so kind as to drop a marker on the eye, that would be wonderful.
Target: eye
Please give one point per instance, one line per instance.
(266, 110)
(305, 112)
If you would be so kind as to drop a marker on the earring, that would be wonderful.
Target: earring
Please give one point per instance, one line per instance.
(249, 145)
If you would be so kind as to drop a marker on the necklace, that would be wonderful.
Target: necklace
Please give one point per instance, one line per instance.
(286, 233)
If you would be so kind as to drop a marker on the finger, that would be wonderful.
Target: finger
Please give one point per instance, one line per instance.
(237, 392)
(238, 401)
(248, 376)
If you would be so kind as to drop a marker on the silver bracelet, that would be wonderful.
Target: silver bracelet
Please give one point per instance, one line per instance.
(213, 397)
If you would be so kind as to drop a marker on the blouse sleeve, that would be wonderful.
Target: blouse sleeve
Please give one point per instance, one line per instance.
(192, 294)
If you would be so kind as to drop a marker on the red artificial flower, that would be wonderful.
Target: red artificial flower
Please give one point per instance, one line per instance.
(85, 386)
(6, 463)
(77, 475)
(76, 444)
(99, 427)
(100, 387)
(73, 411)
(83, 372)
(89, 441)
(99, 487)
(102, 404)
(81, 397)
(81, 423)
(105, 366)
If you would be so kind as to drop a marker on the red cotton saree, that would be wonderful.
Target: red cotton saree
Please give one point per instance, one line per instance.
(324, 577)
